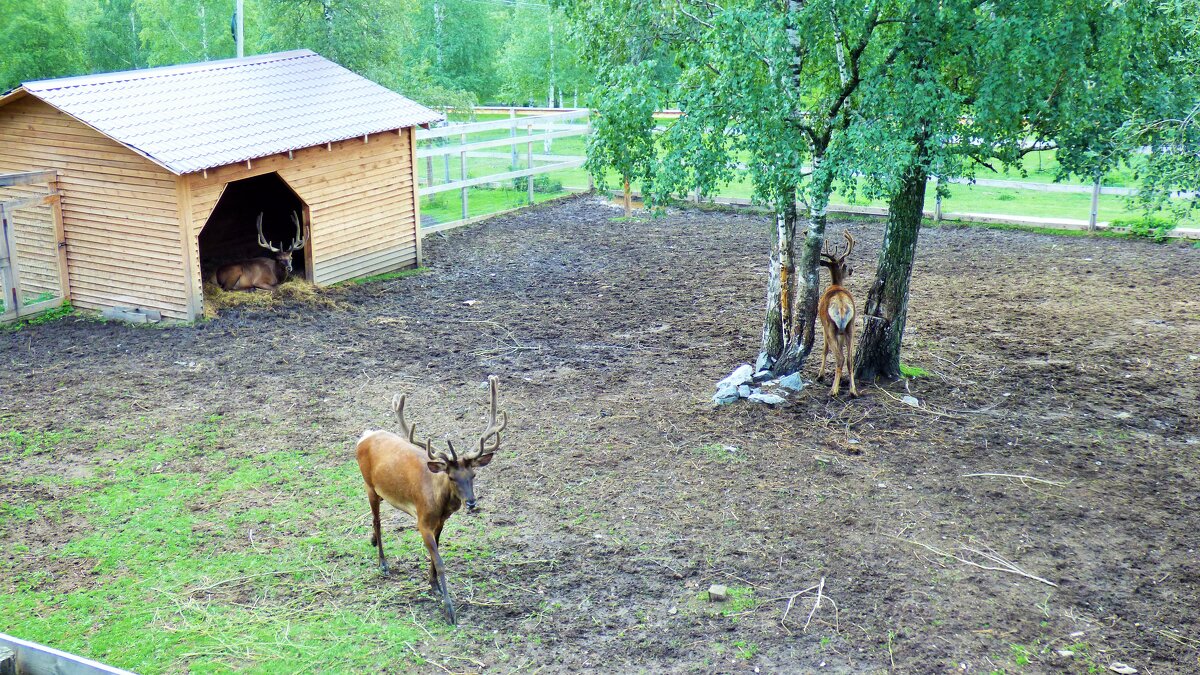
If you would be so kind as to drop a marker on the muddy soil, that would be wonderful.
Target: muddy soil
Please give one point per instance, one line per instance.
(1057, 436)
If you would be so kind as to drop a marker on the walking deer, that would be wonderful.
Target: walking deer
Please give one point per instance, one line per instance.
(265, 273)
(836, 311)
(426, 484)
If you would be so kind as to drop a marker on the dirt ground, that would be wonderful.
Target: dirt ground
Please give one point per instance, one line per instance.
(621, 493)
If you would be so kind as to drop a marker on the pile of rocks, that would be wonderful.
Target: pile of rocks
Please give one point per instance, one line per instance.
(742, 382)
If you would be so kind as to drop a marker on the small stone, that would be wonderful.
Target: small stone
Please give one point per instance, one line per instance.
(762, 376)
(769, 399)
(726, 395)
(1077, 633)
(718, 593)
(740, 375)
(764, 362)
(1118, 667)
(1123, 415)
(744, 391)
(792, 382)
(1066, 653)
(673, 611)
(910, 400)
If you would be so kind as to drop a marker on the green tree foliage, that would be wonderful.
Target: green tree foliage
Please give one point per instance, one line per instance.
(185, 31)
(38, 40)
(541, 57)
(113, 29)
(460, 40)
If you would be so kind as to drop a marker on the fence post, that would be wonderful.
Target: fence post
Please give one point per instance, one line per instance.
(937, 201)
(512, 133)
(1095, 205)
(8, 262)
(529, 152)
(462, 162)
(591, 180)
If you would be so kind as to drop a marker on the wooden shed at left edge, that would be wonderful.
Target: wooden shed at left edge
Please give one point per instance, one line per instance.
(162, 173)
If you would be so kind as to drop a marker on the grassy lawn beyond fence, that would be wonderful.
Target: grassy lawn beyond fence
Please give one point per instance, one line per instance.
(1039, 167)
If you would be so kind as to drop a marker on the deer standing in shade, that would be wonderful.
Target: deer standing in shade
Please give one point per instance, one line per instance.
(836, 312)
(426, 484)
(265, 273)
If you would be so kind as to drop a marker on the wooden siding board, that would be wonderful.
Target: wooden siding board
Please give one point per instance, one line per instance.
(360, 198)
(119, 210)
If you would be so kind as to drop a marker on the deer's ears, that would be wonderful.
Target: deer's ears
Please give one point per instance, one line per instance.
(436, 467)
(483, 460)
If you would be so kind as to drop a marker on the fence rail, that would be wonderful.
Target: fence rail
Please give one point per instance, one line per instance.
(523, 133)
(526, 126)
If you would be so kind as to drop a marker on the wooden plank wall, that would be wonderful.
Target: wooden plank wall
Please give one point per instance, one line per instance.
(37, 246)
(120, 213)
(360, 200)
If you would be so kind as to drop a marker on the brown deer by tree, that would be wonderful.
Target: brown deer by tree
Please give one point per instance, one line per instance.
(836, 312)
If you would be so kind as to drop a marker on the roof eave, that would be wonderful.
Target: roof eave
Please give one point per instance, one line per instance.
(14, 95)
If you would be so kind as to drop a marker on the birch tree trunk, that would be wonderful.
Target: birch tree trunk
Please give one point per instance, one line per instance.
(884, 314)
(781, 283)
(806, 291)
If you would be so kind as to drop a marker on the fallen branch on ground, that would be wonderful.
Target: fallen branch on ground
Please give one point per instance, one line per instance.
(1021, 477)
(1004, 565)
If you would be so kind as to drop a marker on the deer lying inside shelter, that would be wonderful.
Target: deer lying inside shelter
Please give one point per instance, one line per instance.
(265, 273)
(836, 312)
(426, 484)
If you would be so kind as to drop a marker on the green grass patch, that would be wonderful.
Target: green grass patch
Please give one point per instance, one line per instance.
(386, 276)
(913, 371)
(721, 453)
(63, 310)
(1156, 228)
(185, 556)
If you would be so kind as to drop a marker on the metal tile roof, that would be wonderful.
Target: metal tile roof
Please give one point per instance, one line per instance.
(200, 116)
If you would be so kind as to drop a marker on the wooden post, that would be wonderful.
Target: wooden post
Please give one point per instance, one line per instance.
(529, 154)
(428, 169)
(512, 133)
(8, 262)
(60, 241)
(591, 180)
(189, 244)
(1095, 205)
(628, 200)
(462, 165)
(416, 193)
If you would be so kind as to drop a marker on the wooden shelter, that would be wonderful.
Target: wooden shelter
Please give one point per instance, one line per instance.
(161, 173)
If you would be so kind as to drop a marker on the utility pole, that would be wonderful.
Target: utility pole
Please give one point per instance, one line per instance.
(241, 31)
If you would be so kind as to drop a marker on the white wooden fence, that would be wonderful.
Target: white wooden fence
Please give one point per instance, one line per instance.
(523, 133)
(527, 126)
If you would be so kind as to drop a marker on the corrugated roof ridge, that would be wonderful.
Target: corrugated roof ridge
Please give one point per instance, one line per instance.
(165, 71)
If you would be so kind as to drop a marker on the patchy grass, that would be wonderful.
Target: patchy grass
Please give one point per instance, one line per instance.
(913, 371)
(294, 290)
(64, 310)
(386, 276)
(719, 452)
(186, 556)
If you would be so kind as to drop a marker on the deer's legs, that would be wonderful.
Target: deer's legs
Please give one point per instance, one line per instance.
(850, 357)
(837, 362)
(438, 571)
(376, 536)
(824, 350)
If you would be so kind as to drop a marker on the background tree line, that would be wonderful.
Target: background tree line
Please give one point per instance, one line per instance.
(439, 52)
